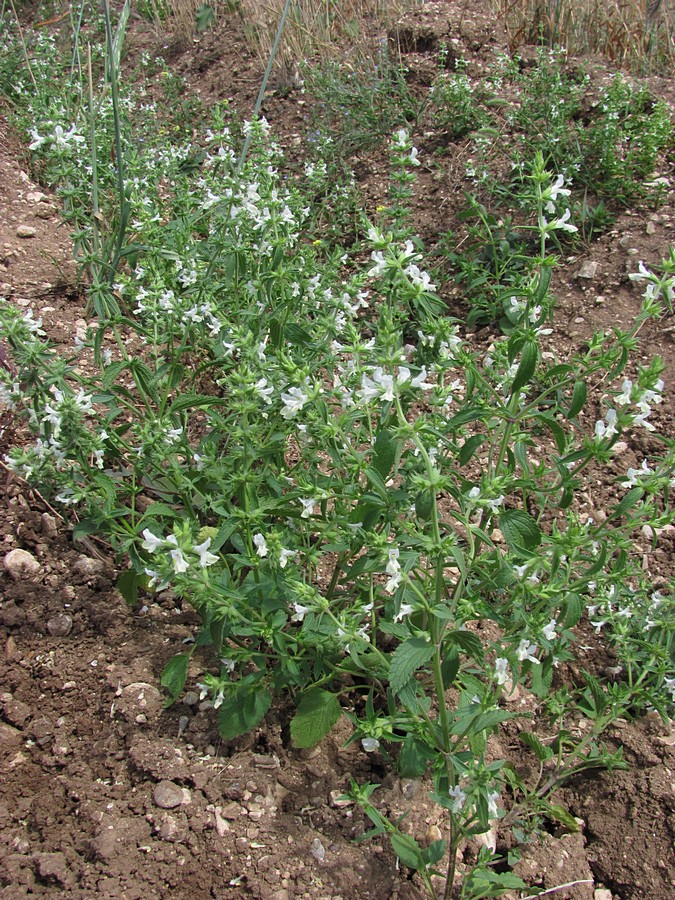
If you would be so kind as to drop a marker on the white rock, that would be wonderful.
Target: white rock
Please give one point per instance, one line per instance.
(21, 564)
(26, 231)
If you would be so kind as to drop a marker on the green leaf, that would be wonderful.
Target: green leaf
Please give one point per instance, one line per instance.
(544, 283)
(469, 448)
(174, 676)
(467, 641)
(560, 814)
(450, 667)
(519, 529)
(574, 609)
(435, 852)
(556, 431)
(407, 849)
(578, 399)
(376, 481)
(384, 452)
(413, 758)
(542, 677)
(127, 585)
(243, 710)
(526, 366)
(472, 723)
(193, 401)
(541, 751)
(633, 496)
(317, 712)
(85, 527)
(406, 659)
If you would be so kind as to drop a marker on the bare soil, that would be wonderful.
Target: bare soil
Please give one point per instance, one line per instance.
(104, 793)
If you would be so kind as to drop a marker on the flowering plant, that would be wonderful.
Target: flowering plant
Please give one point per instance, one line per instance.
(346, 510)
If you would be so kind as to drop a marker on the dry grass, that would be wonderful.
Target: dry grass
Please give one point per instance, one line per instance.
(314, 27)
(633, 33)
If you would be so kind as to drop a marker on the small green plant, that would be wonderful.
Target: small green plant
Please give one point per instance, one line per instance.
(360, 104)
(456, 107)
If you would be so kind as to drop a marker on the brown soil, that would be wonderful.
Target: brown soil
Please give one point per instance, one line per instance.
(104, 792)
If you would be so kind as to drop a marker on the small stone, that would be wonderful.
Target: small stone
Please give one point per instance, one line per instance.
(433, 834)
(651, 228)
(44, 211)
(37, 197)
(9, 737)
(140, 698)
(602, 894)
(21, 564)
(231, 811)
(255, 812)
(588, 269)
(60, 625)
(54, 866)
(48, 524)
(191, 699)
(318, 851)
(409, 788)
(17, 712)
(168, 795)
(169, 830)
(26, 231)
(266, 761)
(86, 567)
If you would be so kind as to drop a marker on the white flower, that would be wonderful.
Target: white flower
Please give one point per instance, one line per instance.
(284, 556)
(61, 138)
(412, 159)
(419, 381)
(37, 140)
(308, 504)
(526, 651)
(404, 611)
(492, 798)
(370, 744)
(151, 542)
(624, 397)
(300, 612)
(261, 545)
(393, 566)
(563, 223)
(607, 428)
(179, 562)
(670, 686)
(474, 493)
(501, 672)
(633, 474)
(557, 190)
(262, 390)
(549, 630)
(401, 138)
(380, 264)
(293, 401)
(458, 796)
(205, 558)
(393, 583)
